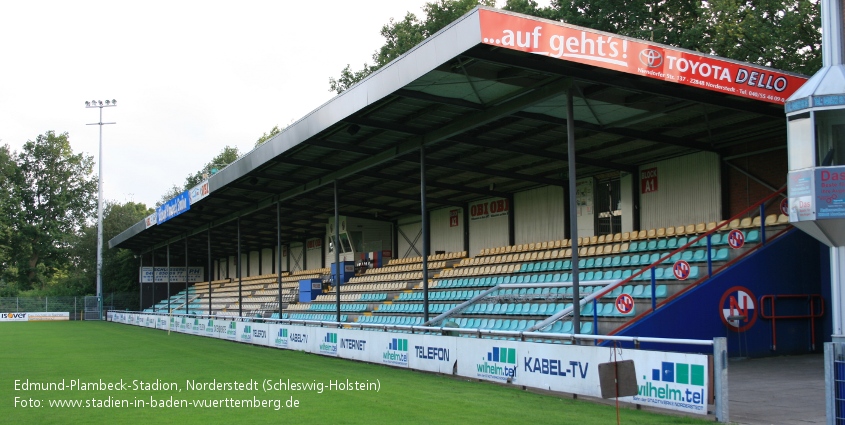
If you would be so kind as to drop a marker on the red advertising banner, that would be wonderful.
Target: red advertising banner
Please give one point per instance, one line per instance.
(582, 45)
(313, 244)
(495, 208)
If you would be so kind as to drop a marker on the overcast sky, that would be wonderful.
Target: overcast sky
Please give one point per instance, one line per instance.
(189, 77)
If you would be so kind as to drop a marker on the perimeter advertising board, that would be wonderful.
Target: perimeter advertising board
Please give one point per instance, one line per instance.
(42, 316)
(667, 380)
(610, 51)
(209, 330)
(226, 329)
(252, 333)
(357, 345)
(303, 338)
(673, 381)
(432, 353)
(49, 316)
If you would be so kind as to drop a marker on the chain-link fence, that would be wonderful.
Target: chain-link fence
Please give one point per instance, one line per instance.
(75, 306)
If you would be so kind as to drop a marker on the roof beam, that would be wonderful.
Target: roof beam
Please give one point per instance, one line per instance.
(472, 120)
(496, 173)
(649, 136)
(610, 129)
(546, 154)
(397, 195)
(439, 184)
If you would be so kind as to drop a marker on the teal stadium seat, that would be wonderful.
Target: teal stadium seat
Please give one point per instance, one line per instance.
(671, 243)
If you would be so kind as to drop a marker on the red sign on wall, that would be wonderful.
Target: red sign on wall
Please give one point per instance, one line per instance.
(489, 209)
(453, 218)
(648, 180)
(314, 244)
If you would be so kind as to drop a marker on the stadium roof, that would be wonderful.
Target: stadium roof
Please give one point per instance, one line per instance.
(486, 96)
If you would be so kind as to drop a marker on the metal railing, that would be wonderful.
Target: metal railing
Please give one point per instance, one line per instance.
(760, 205)
(814, 305)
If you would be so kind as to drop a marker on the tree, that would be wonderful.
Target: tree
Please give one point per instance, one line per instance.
(401, 36)
(53, 197)
(120, 267)
(783, 34)
(9, 174)
(226, 156)
(267, 136)
(777, 33)
(673, 22)
(173, 192)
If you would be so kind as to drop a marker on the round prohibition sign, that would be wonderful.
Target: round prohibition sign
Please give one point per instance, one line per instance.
(681, 270)
(738, 309)
(624, 303)
(784, 206)
(736, 239)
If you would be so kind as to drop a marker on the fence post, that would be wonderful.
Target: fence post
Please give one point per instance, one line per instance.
(830, 382)
(720, 375)
(653, 290)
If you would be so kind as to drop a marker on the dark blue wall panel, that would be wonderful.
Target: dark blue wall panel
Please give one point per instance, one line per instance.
(794, 263)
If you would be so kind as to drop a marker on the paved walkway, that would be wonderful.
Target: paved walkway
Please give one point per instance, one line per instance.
(777, 390)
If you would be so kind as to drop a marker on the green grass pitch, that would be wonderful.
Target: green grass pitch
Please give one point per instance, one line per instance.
(91, 352)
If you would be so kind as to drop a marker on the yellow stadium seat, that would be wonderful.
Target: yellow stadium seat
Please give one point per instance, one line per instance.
(771, 219)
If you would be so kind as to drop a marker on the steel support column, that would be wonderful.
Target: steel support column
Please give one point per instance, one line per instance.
(279, 253)
(210, 265)
(240, 280)
(336, 274)
(573, 216)
(168, 279)
(141, 283)
(425, 233)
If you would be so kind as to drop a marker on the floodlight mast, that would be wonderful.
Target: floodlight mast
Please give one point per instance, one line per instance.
(100, 104)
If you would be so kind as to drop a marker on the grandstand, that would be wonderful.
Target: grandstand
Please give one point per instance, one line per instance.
(526, 185)
(465, 289)
(481, 185)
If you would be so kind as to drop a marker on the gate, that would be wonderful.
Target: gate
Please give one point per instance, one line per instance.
(92, 308)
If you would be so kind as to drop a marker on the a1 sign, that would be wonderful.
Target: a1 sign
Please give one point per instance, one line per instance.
(681, 270)
(624, 303)
(648, 180)
(736, 239)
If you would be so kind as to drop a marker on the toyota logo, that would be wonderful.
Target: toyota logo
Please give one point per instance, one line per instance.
(651, 58)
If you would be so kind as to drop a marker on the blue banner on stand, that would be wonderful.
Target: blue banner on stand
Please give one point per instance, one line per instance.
(174, 207)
